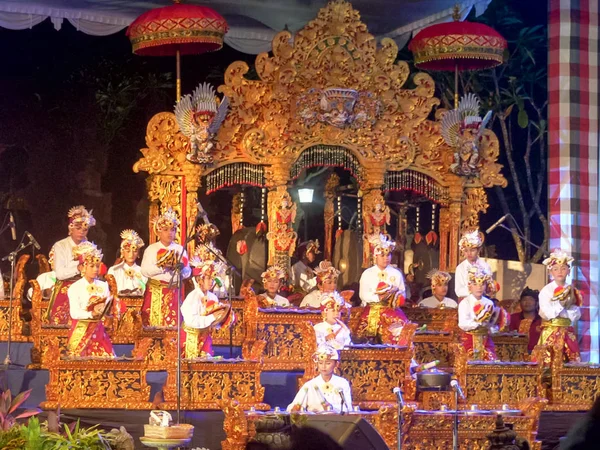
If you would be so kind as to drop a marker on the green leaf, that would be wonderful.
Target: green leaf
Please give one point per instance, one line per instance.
(523, 118)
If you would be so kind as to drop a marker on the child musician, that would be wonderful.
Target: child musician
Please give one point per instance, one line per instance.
(559, 308)
(439, 289)
(202, 311)
(475, 317)
(272, 279)
(327, 278)
(128, 275)
(333, 331)
(88, 299)
(158, 264)
(325, 392)
(470, 245)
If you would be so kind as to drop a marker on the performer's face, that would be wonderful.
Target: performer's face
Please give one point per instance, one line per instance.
(79, 234)
(206, 283)
(328, 285)
(272, 286)
(331, 315)
(560, 272)
(528, 304)
(440, 290)
(166, 236)
(477, 289)
(326, 368)
(91, 271)
(471, 254)
(129, 255)
(382, 260)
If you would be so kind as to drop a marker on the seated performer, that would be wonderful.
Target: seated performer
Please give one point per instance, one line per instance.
(272, 280)
(475, 314)
(202, 311)
(88, 300)
(333, 331)
(382, 322)
(529, 310)
(559, 308)
(128, 275)
(381, 271)
(439, 288)
(327, 277)
(303, 277)
(158, 264)
(46, 280)
(470, 245)
(80, 220)
(326, 391)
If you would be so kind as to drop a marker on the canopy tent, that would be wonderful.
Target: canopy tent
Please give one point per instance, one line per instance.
(253, 23)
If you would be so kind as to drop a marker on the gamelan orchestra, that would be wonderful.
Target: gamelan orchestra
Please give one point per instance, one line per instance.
(372, 318)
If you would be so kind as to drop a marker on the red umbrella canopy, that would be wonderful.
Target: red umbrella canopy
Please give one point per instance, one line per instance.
(473, 46)
(191, 29)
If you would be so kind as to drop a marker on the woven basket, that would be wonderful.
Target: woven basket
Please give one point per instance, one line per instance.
(182, 431)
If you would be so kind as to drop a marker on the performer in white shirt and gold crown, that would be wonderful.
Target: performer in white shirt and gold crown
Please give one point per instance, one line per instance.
(332, 330)
(327, 277)
(325, 392)
(88, 299)
(272, 279)
(128, 275)
(302, 275)
(559, 309)
(380, 271)
(470, 245)
(475, 317)
(439, 288)
(80, 221)
(202, 311)
(158, 264)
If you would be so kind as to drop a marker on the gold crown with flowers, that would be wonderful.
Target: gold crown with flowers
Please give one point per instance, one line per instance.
(79, 217)
(325, 352)
(167, 221)
(472, 239)
(332, 300)
(478, 275)
(131, 240)
(87, 253)
(325, 270)
(438, 278)
(558, 257)
(382, 244)
(273, 273)
(206, 268)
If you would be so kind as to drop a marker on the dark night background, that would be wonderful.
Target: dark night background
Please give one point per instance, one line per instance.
(73, 115)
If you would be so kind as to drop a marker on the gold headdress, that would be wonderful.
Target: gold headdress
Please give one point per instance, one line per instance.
(472, 239)
(332, 300)
(438, 278)
(325, 352)
(87, 253)
(325, 271)
(167, 221)
(273, 272)
(557, 257)
(382, 245)
(130, 241)
(478, 275)
(206, 268)
(79, 217)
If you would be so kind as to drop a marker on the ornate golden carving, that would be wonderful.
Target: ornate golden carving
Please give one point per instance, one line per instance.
(329, 213)
(16, 332)
(475, 203)
(376, 215)
(281, 235)
(235, 426)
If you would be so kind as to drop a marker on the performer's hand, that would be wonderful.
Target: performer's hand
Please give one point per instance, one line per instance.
(97, 311)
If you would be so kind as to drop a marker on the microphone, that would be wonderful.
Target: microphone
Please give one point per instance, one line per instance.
(341, 392)
(456, 386)
(202, 213)
(497, 223)
(32, 240)
(398, 393)
(13, 226)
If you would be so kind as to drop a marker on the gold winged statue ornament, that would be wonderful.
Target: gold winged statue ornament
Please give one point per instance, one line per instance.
(462, 129)
(199, 116)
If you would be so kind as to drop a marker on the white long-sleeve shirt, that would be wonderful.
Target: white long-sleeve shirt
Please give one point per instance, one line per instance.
(64, 264)
(371, 277)
(151, 270)
(79, 297)
(550, 309)
(324, 329)
(312, 299)
(303, 277)
(46, 280)
(461, 277)
(193, 309)
(308, 397)
(466, 315)
(279, 300)
(129, 278)
(433, 302)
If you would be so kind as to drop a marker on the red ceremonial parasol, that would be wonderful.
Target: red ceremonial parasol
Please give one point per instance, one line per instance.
(457, 46)
(175, 30)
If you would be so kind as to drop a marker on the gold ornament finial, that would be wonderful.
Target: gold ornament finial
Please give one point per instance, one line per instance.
(456, 13)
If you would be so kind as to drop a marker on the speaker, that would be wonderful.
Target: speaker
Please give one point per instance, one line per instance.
(352, 432)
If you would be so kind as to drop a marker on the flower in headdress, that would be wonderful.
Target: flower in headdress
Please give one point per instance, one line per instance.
(472, 239)
(325, 352)
(325, 271)
(333, 300)
(131, 241)
(558, 257)
(87, 253)
(167, 221)
(273, 273)
(79, 217)
(438, 277)
(382, 245)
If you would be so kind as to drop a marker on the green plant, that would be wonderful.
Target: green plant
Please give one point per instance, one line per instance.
(75, 437)
(8, 407)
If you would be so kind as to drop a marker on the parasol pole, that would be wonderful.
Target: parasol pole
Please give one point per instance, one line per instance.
(178, 74)
(456, 84)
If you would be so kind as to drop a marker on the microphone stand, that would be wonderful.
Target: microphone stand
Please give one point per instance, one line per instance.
(520, 234)
(11, 258)
(455, 422)
(400, 418)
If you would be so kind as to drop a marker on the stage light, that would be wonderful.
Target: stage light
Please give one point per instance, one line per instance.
(305, 195)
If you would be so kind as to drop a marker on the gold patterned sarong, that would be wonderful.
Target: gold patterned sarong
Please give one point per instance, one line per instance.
(559, 335)
(197, 342)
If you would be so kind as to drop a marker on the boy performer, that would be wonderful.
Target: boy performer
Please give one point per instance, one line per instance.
(303, 276)
(272, 279)
(470, 245)
(160, 302)
(128, 275)
(202, 311)
(327, 278)
(439, 289)
(66, 269)
(381, 271)
(475, 313)
(332, 331)
(325, 392)
(559, 308)
(88, 299)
